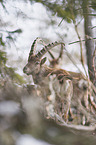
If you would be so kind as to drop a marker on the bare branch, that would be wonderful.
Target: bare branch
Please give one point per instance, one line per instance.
(78, 41)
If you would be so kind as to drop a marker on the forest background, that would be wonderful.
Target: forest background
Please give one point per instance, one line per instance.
(70, 21)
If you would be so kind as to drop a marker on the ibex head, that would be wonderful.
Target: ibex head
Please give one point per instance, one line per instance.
(34, 64)
(35, 61)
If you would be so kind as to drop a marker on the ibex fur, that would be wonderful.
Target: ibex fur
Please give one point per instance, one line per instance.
(64, 83)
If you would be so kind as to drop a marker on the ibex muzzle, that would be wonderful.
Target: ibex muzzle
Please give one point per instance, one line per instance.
(33, 66)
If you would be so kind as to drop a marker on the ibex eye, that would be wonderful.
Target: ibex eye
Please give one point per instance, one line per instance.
(37, 62)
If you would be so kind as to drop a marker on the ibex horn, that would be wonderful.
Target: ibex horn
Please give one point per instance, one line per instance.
(47, 48)
(34, 45)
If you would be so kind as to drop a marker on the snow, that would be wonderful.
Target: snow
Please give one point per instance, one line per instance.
(29, 140)
(34, 26)
(35, 21)
(9, 108)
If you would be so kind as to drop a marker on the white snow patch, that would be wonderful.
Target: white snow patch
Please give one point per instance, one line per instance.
(29, 140)
(9, 108)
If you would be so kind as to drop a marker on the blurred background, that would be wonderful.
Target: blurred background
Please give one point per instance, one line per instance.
(21, 21)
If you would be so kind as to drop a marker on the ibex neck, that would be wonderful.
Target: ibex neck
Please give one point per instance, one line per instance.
(42, 76)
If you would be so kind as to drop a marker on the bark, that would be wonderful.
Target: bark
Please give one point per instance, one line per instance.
(89, 43)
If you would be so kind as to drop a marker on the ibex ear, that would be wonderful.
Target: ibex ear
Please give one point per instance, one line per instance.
(43, 60)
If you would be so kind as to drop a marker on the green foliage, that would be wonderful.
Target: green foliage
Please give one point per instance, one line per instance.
(68, 10)
(5, 38)
(3, 3)
(9, 72)
(3, 58)
(15, 77)
(64, 9)
(10, 35)
(1, 41)
(16, 31)
(93, 4)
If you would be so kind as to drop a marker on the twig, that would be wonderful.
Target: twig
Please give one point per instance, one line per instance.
(81, 49)
(73, 61)
(80, 21)
(93, 27)
(89, 14)
(79, 41)
(77, 127)
(94, 65)
(81, 127)
(60, 22)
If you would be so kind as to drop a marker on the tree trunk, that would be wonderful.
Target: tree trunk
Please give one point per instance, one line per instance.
(89, 43)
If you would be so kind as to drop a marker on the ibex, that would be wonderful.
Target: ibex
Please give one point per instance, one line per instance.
(64, 83)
